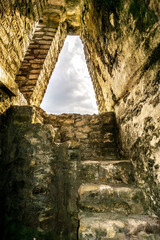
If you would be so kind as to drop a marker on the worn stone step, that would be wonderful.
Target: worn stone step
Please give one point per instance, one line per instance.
(101, 226)
(120, 171)
(111, 198)
(101, 153)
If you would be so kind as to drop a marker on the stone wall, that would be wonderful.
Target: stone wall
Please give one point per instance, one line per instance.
(17, 23)
(28, 189)
(32, 37)
(122, 48)
(95, 135)
(42, 54)
(42, 156)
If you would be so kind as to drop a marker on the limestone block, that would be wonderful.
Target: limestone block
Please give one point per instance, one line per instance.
(102, 226)
(115, 199)
(107, 172)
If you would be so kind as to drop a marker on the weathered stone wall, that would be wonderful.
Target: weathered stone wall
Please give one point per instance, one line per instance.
(122, 48)
(17, 23)
(42, 54)
(139, 123)
(32, 36)
(44, 168)
(28, 190)
(95, 135)
(4, 101)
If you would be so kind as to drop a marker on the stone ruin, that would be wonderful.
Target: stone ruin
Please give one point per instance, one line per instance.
(72, 176)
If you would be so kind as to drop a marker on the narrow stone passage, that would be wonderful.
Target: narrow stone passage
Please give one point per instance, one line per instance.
(61, 177)
(64, 177)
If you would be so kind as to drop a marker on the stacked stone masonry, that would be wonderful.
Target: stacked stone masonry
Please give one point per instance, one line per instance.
(22, 39)
(16, 31)
(34, 59)
(17, 24)
(42, 54)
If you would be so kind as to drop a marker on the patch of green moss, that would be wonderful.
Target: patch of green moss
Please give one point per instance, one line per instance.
(144, 17)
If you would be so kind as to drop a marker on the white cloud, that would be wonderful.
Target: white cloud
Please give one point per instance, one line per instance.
(70, 88)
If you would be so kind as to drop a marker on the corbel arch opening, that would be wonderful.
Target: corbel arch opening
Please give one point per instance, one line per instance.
(70, 88)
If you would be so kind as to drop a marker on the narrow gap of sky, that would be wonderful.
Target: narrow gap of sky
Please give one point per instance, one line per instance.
(70, 88)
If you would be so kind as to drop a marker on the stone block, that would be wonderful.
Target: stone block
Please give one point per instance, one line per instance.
(115, 199)
(34, 71)
(29, 57)
(45, 42)
(48, 37)
(32, 46)
(89, 171)
(52, 34)
(111, 226)
(36, 66)
(33, 76)
(41, 57)
(47, 46)
(21, 78)
(40, 51)
(21, 115)
(81, 135)
(115, 172)
(31, 82)
(36, 60)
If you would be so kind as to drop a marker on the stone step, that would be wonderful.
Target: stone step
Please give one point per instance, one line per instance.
(101, 226)
(102, 153)
(111, 198)
(120, 171)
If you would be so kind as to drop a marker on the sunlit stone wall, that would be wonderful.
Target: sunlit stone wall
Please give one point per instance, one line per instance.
(32, 35)
(17, 23)
(122, 48)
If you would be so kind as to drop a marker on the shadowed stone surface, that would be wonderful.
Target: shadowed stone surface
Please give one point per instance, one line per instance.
(49, 190)
(40, 184)
(103, 226)
(107, 172)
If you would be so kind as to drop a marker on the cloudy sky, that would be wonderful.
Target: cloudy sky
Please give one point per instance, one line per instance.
(70, 88)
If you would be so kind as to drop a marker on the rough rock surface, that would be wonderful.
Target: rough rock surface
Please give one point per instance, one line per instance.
(17, 24)
(32, 34)
(103, 226)
(121, 42)
(42, 54)
(55, 188)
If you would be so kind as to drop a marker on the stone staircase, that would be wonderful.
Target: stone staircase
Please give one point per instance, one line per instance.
(111, 206)
(67, 172)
